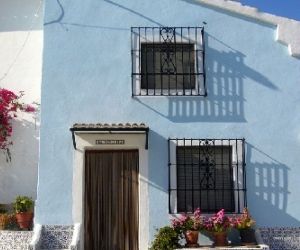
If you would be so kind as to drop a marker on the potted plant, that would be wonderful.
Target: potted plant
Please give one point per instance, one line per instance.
(166, 239)
(3, 217)
(244, 223)
(219, 225)
(23, 207)
(189, 226)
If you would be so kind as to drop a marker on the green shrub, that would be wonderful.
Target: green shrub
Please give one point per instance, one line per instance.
(166, 239)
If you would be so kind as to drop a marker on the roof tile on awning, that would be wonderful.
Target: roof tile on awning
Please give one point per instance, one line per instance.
(108, 126)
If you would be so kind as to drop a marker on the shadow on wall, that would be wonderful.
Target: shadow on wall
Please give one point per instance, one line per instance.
(267, 188)
(19, 177)
(19, 15)
(225, 74)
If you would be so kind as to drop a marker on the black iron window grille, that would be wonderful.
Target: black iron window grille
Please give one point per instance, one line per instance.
(168, 61)
(207, 173)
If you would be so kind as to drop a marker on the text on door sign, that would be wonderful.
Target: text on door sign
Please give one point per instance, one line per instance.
(110, 142)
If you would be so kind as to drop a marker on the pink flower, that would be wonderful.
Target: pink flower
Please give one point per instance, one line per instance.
(30, 108)
(197, 213)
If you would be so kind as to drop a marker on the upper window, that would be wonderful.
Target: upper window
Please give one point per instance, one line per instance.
(168, 61)
(208, 174)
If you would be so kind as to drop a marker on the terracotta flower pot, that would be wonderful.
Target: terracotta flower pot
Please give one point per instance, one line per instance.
(3, 221)
(248, 236)
(191, 238)
(220, 239)
(24, 219)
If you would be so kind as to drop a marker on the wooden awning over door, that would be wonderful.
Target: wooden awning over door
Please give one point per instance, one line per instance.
(100, 128)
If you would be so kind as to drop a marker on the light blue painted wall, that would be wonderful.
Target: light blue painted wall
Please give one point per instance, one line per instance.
(87, 78)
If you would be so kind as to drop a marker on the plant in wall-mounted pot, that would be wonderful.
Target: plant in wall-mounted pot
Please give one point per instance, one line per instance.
(23, 207)
(244, 223)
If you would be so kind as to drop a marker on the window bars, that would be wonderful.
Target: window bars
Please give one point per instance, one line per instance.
(207, 173)
(168, 61)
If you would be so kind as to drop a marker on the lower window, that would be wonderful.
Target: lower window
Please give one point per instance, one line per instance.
(207, 173)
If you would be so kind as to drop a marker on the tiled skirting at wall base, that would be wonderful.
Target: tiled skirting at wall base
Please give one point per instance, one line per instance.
(15, 240)
(67, 237)
(56, 237)
(281, 238)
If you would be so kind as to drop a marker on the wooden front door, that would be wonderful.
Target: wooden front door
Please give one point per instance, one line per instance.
(111, 200)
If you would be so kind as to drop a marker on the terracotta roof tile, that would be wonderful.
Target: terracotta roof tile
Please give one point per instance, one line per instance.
(109, 126)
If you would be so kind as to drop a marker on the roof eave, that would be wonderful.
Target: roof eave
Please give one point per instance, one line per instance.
(288, 30)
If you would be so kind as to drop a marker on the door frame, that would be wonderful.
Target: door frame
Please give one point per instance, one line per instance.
(87, 141)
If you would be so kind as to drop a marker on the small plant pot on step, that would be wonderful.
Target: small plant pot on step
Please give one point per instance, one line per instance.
(220, 239)
(24, 219)
(191, 238)
(248, 236)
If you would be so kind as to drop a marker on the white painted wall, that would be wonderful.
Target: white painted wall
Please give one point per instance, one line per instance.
(21, 42)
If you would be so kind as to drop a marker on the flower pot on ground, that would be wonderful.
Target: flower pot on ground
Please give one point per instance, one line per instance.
(3, 217)
(220, 239)
(244, 223)
(11, 222)
(191, 237)
(23, 207)
(248, 236)
(189, 226)
(3, 221)
(24, 219)
(219, 225)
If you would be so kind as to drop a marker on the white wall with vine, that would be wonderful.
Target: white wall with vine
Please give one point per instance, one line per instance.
(21, 42)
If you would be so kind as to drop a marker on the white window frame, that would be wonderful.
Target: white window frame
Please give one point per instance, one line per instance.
(138, 39)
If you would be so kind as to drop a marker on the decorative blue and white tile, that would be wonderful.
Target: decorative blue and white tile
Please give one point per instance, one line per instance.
(281, 238)
(56, 236)
(17, 240)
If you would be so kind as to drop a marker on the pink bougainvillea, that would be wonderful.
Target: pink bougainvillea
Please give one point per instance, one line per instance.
(10, 104)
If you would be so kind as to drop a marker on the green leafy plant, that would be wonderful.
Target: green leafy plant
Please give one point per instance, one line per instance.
(23, 204)
(166, 239)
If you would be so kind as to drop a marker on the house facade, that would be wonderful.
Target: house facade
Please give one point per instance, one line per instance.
(154, 108)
